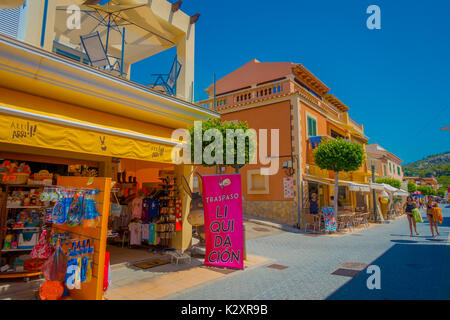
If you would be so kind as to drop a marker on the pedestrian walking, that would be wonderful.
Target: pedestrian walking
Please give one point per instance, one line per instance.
(409, 206)
(430, 205)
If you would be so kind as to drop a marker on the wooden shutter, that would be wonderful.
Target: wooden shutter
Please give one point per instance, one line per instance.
(9, 22)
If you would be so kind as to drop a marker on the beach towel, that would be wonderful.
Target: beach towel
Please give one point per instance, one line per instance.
(437, 215)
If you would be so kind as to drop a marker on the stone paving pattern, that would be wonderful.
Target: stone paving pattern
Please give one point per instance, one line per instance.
(411, 267)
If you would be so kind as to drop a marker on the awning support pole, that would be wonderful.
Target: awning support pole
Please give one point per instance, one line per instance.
(374, 194)
(123, 51)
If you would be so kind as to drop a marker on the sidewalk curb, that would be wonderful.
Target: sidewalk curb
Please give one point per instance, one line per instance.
(279, 226)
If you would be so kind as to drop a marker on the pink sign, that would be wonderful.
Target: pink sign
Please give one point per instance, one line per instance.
(224, 228)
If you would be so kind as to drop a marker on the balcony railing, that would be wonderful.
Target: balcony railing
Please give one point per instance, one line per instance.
(247, 96)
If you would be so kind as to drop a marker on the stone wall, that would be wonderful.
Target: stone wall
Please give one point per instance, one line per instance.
(277, 211)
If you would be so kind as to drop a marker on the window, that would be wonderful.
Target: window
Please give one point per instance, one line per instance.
(398, 170)
(390, 167)
(334, 134)
(257, 183)
(312, 127)
(385, 170)
(10, 22)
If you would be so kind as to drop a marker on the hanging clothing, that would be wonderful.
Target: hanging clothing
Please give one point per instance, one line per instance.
(135, 233)
(146, 210)
(136, 205)
(145, 232)
(152, 234)
(154, 208)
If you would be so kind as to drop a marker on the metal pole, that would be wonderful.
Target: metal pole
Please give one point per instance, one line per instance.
(214, 101)
(245, 246)
(107, 34)
(374, 194)
(123, 50)
(300, 192)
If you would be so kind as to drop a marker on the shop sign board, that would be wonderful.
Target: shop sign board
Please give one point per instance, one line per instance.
(224, 228)
(60, 137)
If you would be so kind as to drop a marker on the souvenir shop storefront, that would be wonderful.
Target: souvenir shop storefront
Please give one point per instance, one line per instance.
(61, 210)
(85, 165)
(69, 194)
(352, 197)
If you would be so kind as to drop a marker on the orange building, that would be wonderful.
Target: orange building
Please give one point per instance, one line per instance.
(386, 163)
(288, 97)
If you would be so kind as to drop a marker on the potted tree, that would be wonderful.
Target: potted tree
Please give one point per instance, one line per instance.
(339, 155)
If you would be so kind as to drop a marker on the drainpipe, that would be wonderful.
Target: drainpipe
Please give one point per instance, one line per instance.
(299, 192)
(44, 23)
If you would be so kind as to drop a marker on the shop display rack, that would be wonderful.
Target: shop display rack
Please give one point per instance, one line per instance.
(7, 212)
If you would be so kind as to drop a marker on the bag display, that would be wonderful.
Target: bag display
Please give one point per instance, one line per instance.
(42, 250)
(416, 215)
(54, 269)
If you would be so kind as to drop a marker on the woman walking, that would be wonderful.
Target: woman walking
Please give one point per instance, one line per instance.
(430, 205)
(408, 208)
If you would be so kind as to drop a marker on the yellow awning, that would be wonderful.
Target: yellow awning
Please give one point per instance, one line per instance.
(40, 130)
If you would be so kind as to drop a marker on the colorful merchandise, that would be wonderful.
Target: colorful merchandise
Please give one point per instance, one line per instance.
(107, 273)
(54, 269)
(75, 213)
(137, 209)
(178, 215)
(135, 233)
(27, 240)
(51, 290)
(42, 250)
(145, 232)
(90, 210)
(329, 218)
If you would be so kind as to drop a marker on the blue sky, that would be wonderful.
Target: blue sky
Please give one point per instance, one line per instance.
(396, 80)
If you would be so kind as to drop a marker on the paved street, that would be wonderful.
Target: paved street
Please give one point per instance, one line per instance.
(411, 267)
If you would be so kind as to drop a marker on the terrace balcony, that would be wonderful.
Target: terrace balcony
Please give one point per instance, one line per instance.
(247, 96)
(129, 30)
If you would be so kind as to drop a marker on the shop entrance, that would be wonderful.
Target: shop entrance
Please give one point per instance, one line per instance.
(321, 191)
(145, 213)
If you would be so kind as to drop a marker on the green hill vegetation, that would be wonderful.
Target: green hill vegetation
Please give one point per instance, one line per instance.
(437, 165)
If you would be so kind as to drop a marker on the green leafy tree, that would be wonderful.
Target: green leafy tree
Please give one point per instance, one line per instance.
(426, 190)
(339, 155)
(247, 149)
(390, 181)
(412, 187)
(441, 192)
